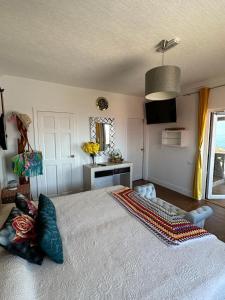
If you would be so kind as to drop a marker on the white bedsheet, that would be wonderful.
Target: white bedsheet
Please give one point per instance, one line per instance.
(110, 255)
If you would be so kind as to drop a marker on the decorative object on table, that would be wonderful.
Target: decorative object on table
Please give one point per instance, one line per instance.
(115, 156)
(3, 135)
(102, 131)
(163, 82)
(92, 149)
(102, 103)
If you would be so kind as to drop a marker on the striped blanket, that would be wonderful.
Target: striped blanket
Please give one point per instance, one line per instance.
(170, 228)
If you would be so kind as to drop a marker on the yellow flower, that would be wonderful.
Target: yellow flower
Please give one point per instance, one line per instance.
(91, 148)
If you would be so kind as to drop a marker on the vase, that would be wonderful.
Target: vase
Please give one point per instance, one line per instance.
(93, 159)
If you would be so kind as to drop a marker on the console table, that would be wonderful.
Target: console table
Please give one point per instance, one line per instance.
(107, 174)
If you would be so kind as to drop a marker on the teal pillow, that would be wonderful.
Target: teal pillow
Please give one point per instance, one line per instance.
(49, 238)
(46, 205)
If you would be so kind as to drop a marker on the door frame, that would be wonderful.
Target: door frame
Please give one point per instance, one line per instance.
(35, 110)
(143, 135)
(211, 155)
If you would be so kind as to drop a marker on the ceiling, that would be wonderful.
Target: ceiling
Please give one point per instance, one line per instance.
(109, 45)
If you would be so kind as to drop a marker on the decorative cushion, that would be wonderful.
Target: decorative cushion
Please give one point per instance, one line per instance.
(18, 236)
(147, 191)
(26, 206)
(46, 205)
(49, 238)
(199, 215)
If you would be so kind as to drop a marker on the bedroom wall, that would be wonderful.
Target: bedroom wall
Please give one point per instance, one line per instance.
(22, 95)
(169, 166)
(174, 167)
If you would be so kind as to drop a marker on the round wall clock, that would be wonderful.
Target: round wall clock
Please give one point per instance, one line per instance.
(102, 103)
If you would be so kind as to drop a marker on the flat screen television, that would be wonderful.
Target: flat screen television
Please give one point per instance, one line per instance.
(161, 111)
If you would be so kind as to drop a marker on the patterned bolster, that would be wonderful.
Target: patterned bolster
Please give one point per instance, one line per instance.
(199, 215)
(147, 191)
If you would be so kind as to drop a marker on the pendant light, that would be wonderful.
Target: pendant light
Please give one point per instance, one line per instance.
(163, 82)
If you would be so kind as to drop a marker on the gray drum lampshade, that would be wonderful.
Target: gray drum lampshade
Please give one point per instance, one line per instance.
(162, 83)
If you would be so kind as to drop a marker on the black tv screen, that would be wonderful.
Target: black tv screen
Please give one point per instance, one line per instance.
(161, 111)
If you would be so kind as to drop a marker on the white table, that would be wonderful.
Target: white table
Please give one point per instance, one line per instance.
(107, 174)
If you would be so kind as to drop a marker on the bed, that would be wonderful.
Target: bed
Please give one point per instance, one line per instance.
(109, 254)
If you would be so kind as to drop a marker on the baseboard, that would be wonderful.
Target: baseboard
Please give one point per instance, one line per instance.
(171, 186)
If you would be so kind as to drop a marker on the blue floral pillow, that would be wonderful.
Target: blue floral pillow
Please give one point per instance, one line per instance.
(49, 238)
(18, 236)
(26, 206)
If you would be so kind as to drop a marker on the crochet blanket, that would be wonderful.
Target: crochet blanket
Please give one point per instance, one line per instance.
(171, 229)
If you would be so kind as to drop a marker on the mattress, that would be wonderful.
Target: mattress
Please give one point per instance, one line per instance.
(109, 254)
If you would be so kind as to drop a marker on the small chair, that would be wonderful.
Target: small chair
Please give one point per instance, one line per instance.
(196, 216)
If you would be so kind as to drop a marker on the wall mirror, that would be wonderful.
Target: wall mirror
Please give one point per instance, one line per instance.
(102, 131)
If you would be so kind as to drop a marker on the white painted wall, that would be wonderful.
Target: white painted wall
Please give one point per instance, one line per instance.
(174, 167)
(22, 95)
(217, 99)
(169, 166)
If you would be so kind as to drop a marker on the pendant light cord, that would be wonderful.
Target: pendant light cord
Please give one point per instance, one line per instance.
(163, 58)
(163, 45)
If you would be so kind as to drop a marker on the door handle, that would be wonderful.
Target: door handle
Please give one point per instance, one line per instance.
(72, 155)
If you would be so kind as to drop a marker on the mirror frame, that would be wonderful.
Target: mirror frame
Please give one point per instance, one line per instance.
(111, 122)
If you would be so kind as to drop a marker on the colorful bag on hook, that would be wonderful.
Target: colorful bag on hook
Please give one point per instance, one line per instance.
(28, 164)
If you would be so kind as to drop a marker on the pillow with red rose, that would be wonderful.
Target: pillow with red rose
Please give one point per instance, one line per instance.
(18, 236)
(26, 206)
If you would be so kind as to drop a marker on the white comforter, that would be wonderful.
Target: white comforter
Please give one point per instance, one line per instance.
(110, 255)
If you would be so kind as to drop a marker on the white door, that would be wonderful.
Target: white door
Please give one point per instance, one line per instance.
(135, 146)
(216, 174)
(57, 141)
